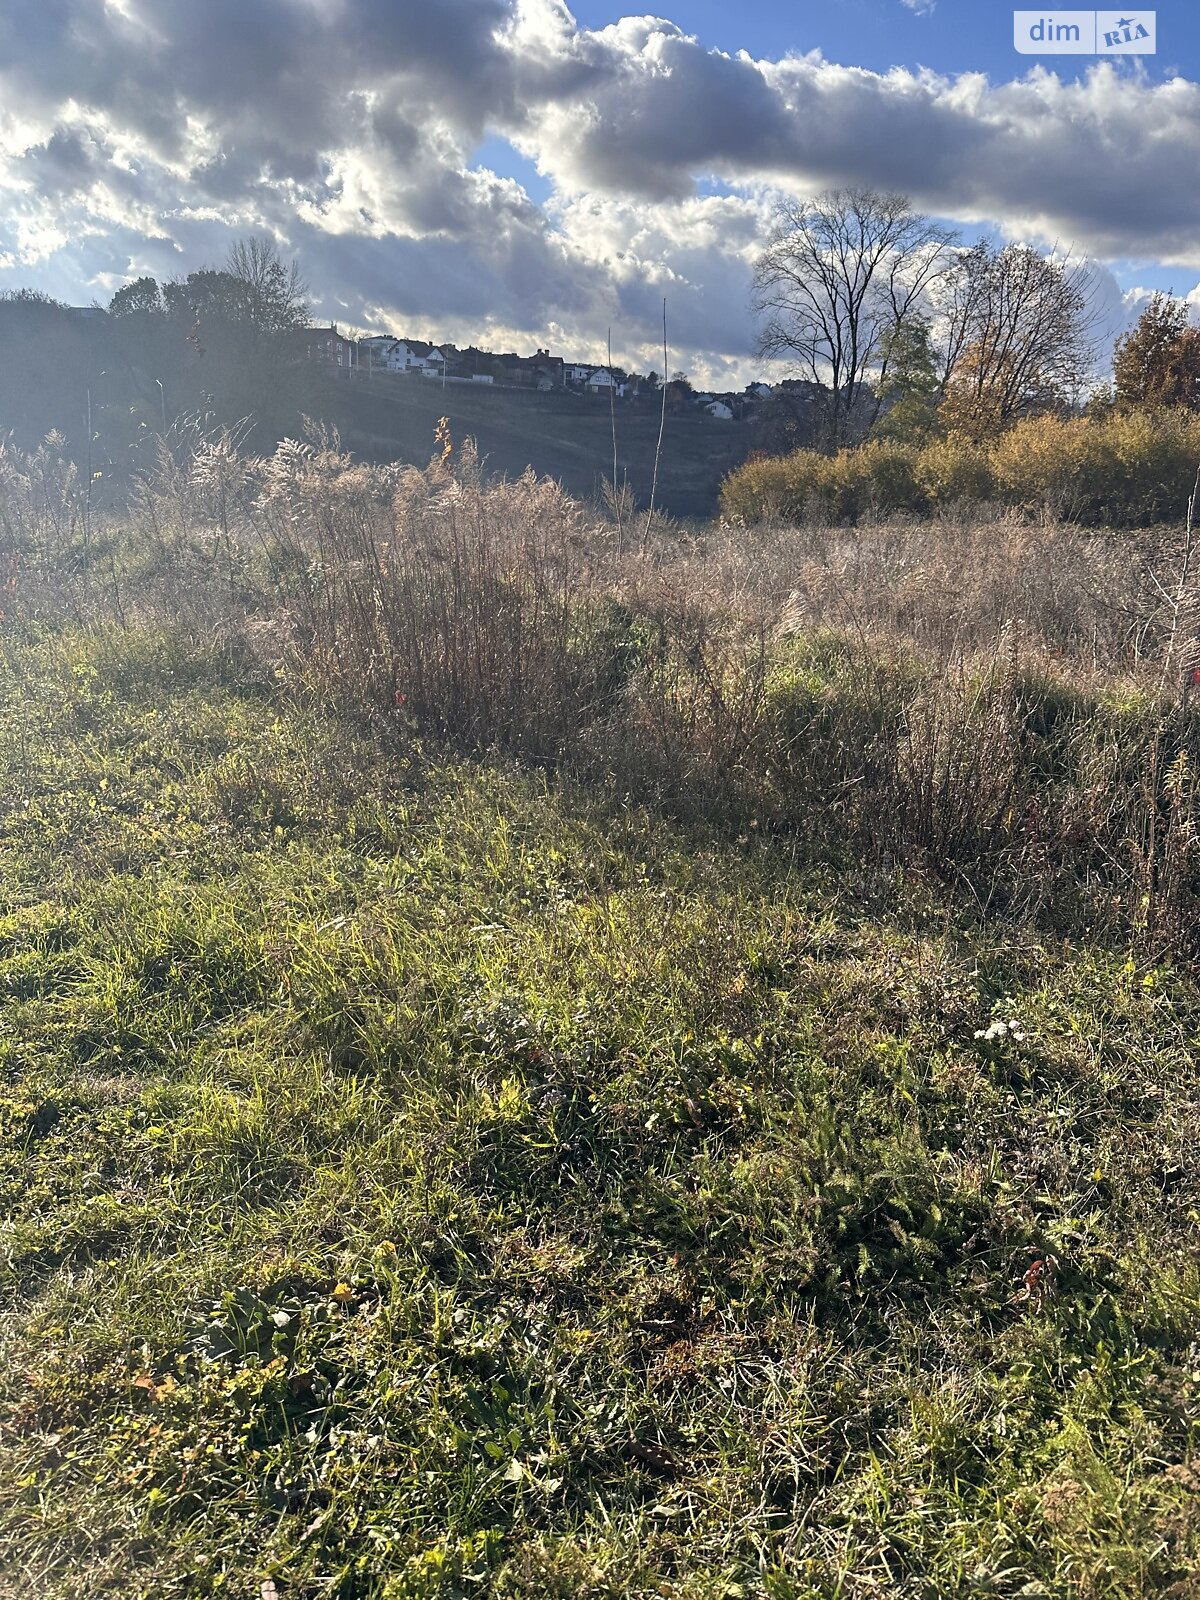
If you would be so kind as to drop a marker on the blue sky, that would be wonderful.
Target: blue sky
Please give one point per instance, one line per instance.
(950, 38)
(528, 171)
(955, 36)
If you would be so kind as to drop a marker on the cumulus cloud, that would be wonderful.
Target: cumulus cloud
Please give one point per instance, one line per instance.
(140, 135)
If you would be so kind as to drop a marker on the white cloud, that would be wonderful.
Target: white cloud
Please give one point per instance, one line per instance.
(139, 135)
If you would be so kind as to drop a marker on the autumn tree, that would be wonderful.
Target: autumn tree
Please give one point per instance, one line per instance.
(839, 277)
(1015, 337)
(1157, 363)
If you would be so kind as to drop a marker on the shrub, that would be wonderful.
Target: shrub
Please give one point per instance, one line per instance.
(876, 479)
(1125, 469)
(1151, 465)
(1132, 469)
(788, 488)
(1049, 464)
(879, 478)
(953, 471)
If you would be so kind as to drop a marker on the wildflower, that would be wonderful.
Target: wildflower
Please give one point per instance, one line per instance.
(343, 1294)
(1000, 1029)
(994, 1030)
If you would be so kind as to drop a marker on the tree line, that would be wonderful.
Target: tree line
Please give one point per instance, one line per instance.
(213, 344)
(895, 330)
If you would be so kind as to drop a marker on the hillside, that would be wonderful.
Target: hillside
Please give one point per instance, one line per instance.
(95, 381)
(563, 435)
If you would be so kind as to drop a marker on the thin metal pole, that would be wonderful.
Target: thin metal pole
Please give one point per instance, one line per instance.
(661, 430)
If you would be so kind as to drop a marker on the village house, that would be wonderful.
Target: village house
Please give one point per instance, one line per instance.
(602, 381)
(404, 355)
(472, 363)
(328, 346)
(549, 371)
(540, 371)
(373, 348)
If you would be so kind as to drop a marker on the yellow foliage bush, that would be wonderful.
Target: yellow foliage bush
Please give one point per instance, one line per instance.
(1127, 469)
(875, 479)
(953, 471)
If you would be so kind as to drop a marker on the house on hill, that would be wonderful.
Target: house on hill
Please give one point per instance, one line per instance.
(424, 357)
(602, 381)
(327, 346)
(540, 371)
(474, 363)
(374, 347)
(549, 371)
(405, 355)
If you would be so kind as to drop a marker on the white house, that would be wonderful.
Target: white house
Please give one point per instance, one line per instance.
(718, 409)
(577, 374)
(404, 355)
(603, 382)
(762, 390)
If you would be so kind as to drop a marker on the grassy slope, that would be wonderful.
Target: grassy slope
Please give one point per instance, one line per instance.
(418, 1184)
(567, 437)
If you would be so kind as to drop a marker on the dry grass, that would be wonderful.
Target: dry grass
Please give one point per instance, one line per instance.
(431, 1177)
(1009, 705)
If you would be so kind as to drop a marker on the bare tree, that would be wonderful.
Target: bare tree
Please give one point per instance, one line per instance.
(272, 294)
(1015, 337)
(839, 276)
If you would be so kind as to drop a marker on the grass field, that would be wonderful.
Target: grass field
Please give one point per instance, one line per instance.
(420, 1181)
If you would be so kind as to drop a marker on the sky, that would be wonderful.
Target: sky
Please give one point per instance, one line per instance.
(517, 173)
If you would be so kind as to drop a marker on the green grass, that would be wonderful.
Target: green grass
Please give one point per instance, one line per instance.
(422, 1182)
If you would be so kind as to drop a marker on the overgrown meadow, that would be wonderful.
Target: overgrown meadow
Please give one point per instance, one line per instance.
(548, 1059)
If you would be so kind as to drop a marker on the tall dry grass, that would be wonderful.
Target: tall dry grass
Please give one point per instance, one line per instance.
(1008, 705)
